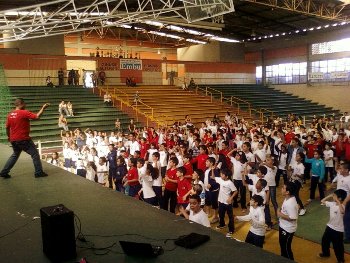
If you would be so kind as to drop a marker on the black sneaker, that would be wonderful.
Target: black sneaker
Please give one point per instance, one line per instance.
(42, 174)
(321, 255)
(5, 176)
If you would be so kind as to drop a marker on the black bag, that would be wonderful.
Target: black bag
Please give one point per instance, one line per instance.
(192, 240)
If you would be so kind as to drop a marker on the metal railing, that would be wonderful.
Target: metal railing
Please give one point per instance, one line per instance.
(205, 91)
(41, 143)
(149, 116)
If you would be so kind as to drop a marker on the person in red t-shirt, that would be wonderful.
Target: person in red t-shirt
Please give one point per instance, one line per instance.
(144, 146)
(201, 158)
(170, 186)
(184, 187)
(132, 178)
(18, 129)
(310, 146)
(188, 166)
(289, 135)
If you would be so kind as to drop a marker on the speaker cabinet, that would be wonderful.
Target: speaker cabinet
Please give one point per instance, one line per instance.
(58, 234)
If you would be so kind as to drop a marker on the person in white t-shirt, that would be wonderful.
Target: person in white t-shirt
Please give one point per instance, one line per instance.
(334, 231)
(133, 144)
(297, 175)
(288, 216)
(194, 212)
(328, 161)
(270, 177)
(226, 194)
(343, 182)
(256, 216)
(239, 161)
(147, 174)
(101, 170)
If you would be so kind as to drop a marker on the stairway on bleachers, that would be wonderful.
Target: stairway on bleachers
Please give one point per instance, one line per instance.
(172, 104)
(89, 110)
(281, 103)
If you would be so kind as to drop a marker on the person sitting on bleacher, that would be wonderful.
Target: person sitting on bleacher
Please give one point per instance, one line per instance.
(62, 108)
(62, 122)
(192, 84)
(49, 82)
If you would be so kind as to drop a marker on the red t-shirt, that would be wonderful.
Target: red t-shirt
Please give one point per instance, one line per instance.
(143, 149)
(183, 187)
(171, 173)
(200, 159)
(133, 174)
(311, 148)
(19, 123)
(347, 150)
(189, 171)
(288, 137)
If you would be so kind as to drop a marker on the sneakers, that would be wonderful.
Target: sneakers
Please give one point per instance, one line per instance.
(42, 174)
(229, 234)
(219, 227)
(321, 255)
(5, 176)
(302, 212)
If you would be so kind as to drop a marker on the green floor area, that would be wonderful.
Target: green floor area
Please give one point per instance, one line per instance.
(312, 225)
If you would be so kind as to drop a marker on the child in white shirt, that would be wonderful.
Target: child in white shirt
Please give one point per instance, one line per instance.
(256, 216)
(102, 170)
(226, 194)
(335, 228)
(328, 161)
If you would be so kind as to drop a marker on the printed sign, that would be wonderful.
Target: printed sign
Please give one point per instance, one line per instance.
(316, 75)
(131, 64)
(339, 75)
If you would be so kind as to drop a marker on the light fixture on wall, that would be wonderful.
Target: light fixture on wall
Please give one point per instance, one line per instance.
(158, 51)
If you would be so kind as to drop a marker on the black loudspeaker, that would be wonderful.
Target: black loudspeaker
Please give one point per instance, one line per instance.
(57, 225)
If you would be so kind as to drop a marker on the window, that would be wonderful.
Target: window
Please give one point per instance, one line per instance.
(342, 45)
(333, 70)
(286, 73)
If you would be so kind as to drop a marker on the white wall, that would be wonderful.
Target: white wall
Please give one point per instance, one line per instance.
(336, 95)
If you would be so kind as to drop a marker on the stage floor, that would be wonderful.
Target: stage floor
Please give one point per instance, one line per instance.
(102, 212)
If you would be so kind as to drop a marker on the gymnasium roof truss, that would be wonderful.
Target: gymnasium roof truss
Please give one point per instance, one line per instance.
(330, 10)
(67, 16)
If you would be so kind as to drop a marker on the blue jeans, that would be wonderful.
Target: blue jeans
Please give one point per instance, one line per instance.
(27, 146)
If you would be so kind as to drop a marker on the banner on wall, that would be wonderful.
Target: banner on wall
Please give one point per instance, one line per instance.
(316, 75)
(339, 75)
(131, 64)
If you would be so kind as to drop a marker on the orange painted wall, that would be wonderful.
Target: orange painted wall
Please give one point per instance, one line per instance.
(286, 52)
(33, 62)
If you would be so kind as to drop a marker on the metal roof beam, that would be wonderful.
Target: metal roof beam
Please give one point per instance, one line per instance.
(307, 7)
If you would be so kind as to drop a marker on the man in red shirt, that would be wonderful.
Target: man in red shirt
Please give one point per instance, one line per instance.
(17, 129)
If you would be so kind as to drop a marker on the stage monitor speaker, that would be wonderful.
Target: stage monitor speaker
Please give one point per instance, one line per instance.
(58, 234)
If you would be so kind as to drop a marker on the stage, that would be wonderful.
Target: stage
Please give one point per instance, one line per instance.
(102, 212)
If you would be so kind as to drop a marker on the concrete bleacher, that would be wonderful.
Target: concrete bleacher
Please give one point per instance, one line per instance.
(89, 110)
(279, 102)
(172, 103)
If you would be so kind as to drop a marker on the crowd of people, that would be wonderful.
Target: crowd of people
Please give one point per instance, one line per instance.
(202, 173)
